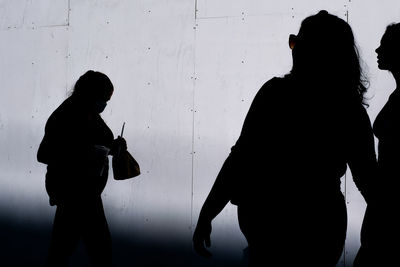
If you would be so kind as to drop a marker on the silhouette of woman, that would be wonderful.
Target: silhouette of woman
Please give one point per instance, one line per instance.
(299, 135)
(75, 148)
(380, 232)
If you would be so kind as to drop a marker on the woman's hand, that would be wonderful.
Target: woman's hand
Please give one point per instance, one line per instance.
(201, 237)
(118, 145)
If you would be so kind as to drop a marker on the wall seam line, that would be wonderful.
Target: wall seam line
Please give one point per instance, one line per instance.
(193, 116)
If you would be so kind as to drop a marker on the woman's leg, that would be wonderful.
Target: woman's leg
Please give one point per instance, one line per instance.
(96, 234)
(65, 236)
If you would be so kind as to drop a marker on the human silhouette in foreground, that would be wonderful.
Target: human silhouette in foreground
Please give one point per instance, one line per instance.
(380, 234)
(300, 133)
(75, 148)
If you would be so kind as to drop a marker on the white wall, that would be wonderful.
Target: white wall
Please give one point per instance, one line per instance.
(185, 73)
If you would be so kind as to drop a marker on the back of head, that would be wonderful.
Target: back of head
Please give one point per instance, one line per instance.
(393, 34)
(390, 44)
(91, 86)
(325, 52)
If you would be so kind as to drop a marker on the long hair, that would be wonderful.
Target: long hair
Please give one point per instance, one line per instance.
(325, 53)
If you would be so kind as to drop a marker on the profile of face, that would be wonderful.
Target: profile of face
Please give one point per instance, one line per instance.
(388, 54)
(101, 102)
(385, 54)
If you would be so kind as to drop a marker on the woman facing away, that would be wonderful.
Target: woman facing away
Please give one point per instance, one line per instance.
(298, 137)
(380, 232)
(75, 148)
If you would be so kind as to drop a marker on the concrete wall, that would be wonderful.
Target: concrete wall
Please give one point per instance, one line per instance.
(185, 73)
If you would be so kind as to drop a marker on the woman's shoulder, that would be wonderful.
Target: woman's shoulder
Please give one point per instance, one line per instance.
(275, 82)
(274, 86)
(61, 113)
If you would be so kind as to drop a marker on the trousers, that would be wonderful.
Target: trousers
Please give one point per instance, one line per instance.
(77, 220)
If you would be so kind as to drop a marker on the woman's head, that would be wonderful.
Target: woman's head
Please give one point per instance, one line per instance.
(388, 52)
(324, 51)
(93, 89)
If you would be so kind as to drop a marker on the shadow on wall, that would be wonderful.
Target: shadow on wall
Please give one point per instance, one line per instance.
(25, 243)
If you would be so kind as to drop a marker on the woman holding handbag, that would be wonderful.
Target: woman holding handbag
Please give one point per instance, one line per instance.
(75, 148)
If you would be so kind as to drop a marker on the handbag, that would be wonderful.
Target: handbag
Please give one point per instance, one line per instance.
(125, 166)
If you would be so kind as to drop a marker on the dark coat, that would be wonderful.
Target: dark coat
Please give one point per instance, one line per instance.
(74, 171)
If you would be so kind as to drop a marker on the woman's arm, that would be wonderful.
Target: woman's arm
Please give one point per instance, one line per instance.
(216, 200)
(361, 151)
(228, 179)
